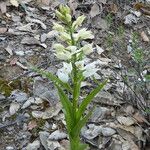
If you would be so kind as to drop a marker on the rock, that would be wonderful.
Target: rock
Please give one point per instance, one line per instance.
(108, 131)
(33, 146)
(57, 135)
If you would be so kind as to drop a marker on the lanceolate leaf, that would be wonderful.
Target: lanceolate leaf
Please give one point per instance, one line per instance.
(88, 99)
(67, 105)
(76, 130)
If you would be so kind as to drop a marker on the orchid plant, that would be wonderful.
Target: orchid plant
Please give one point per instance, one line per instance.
(74, 71)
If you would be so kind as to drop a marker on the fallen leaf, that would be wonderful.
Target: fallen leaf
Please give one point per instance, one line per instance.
(99, 50)
(32, 124)
(36, 21)
(57, 135)
(13, 61)
(3, 7)
(73, 5)
(102, 1)
(95, 10)
(14, 3)
(52, 111)
(3, 30)
(45, 2)
(33, 146)
(30, 41)
(21, 65)
(14, 107)
(144, 37)
(43, 138)
(139, 118)
(9, 50)
(127, 121)
(113, 8)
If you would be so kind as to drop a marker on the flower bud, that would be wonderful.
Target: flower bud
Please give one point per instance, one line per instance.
(59, 15)
(64, 36)
(84, 34)
(79, 21)
(63, 55)
(59, 47)
(68, 18)
(58, 27)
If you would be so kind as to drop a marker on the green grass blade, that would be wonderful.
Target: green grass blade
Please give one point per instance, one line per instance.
(89, 98)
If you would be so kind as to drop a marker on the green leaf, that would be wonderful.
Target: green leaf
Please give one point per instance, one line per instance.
(67, 105)
(88, 99)
(76, 130)
(53, 78)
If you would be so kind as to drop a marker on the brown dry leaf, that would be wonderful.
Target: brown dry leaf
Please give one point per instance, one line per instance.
(9, 49)
(13, 61)
(127, 121)
(3, 30)
(143, 8)
(32, 124)
(102, 1)
(113, 8)
(45, 2)
(139, 118)
(144, 37)
(3, 7)
(14, 3)
(73, 5)
(95, 10)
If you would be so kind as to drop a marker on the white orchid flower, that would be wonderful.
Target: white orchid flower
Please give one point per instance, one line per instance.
(90, 70)
(68, 17)
(63, 73)
(80, 65)
(79, 21)
(64, 36)
(84, 34)
(58, 47)
(63, 76)
(72, 49)
(87, 49)
(67, 67)
(63, 55)
(58, 27)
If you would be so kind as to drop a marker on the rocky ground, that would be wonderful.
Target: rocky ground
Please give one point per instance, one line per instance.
(30, 112)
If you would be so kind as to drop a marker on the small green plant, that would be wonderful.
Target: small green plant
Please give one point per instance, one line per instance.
(74, 71)
(109, 19)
